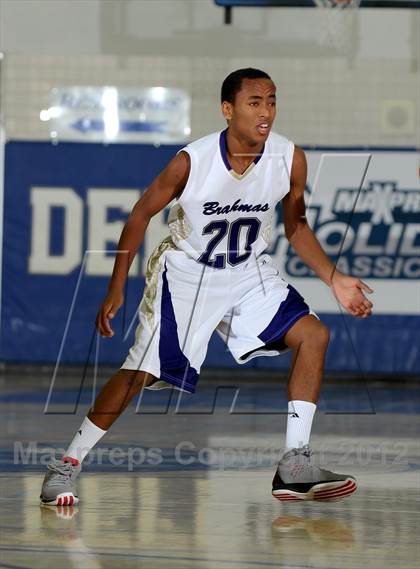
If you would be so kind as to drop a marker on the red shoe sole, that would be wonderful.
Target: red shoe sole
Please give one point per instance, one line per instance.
(65, 499)
(328, 491)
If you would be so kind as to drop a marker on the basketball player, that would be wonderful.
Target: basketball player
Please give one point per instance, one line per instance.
(210, 274)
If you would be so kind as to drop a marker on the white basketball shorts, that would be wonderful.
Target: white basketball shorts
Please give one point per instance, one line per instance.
(185, 301)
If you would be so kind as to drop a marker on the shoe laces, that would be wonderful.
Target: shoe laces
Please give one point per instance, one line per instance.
(305, 451)
(62, 472)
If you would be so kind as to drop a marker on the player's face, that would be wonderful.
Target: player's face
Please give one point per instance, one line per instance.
(254, 110)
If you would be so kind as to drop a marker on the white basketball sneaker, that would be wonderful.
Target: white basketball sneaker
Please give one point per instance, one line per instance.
(59, 486)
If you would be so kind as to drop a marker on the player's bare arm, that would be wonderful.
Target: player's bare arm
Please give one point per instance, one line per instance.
(349, 291)
(164, 188)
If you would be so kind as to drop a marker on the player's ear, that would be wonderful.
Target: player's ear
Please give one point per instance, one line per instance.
(227, 110)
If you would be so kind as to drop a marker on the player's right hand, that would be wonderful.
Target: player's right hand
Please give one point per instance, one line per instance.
(108, 310)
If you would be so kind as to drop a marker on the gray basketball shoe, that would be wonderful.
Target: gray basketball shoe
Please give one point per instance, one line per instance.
(59, 486)
(297, 478)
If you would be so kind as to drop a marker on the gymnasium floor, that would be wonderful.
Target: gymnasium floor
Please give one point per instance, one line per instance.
(201, 498)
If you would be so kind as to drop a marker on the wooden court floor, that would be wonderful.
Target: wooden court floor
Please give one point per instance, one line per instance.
(187, 485)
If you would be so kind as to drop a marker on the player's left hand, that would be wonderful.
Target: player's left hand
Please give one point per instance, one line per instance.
(349, 291)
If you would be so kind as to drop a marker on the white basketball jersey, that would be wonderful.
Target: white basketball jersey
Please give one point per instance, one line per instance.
(222, 218)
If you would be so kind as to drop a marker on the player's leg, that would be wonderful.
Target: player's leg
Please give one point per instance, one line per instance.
(116, 395)
(59, 486)
(265, 321)
(297, 478)
(108, 406)
(59, 483)
(308, 339)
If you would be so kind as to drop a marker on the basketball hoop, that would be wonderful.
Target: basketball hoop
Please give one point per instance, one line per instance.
(338, 16)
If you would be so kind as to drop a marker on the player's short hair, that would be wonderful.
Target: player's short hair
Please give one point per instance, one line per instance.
(233, 82)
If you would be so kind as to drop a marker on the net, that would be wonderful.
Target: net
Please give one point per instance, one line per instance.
(338, 25)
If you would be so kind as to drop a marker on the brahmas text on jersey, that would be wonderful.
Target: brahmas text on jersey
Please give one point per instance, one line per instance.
(222, 217)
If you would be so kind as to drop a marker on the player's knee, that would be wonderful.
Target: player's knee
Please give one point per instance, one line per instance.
(315, 335)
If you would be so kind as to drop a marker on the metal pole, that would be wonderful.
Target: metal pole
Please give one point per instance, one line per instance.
(228, 15)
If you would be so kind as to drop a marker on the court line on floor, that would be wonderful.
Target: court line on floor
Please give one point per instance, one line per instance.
(174, 558)
(168, 557)
(8, 566)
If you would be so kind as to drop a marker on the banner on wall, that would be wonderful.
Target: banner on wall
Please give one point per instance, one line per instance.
(364, 208)
(154, 115)
(65, 209)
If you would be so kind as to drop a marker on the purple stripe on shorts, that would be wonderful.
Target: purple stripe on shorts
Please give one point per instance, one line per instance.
(175, 367)
(289, 311)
